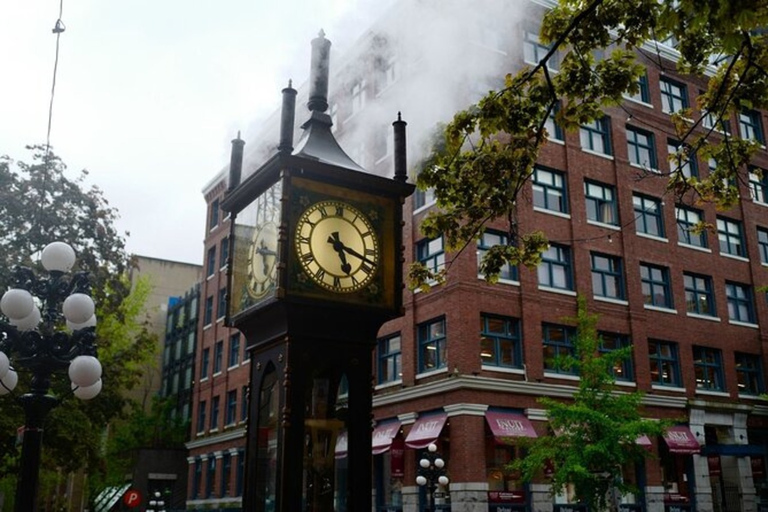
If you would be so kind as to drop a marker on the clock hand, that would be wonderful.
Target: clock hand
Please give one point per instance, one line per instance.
(333, 239)
(265, 251)
(353, 252)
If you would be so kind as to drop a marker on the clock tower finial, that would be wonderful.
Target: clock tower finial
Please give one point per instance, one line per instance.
(318, 73)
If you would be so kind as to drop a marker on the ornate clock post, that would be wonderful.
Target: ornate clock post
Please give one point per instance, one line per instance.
(316, 270)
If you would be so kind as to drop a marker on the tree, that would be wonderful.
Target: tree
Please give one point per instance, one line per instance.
(595, 434)
(40, 204)
(481, 161)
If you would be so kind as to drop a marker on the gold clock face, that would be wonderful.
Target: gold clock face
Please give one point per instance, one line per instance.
(262, 260)
(337, 246)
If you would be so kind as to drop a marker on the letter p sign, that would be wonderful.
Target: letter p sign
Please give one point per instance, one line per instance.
(132, 498)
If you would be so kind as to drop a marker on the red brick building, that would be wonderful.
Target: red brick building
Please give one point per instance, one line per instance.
(468, 358)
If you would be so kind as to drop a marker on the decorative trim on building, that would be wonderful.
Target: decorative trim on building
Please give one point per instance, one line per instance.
(207, 441)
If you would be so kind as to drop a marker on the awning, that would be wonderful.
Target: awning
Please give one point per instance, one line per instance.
(680, 439)
(426, 430)
(341, 445)
(508, 425)
(383, 435)
(644, 441)
(109, 497)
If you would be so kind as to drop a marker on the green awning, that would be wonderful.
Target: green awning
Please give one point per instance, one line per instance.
(108, 497)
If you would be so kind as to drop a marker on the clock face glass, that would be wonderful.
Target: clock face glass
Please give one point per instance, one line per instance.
(256, 247)
(337, 246)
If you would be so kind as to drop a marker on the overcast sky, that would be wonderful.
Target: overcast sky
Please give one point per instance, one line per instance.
(149, 94)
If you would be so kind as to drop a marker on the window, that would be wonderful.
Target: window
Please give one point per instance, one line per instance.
(610, 341)
(201, 416)
(244, 403)
(648, 215)
(240, 476)
(601, 203)
(211, 261)
(500, 341)
(386, 73)
(488, 239)
(549, 192)
(558, 343)
(596, 136)
(231, 414)
(674, 96)
(197, 478)
(699, 295)
(655, 285)
(607, 276)
(741, 307)
(214, 413)
(762, 245)
(213, 214)
(555, 268)
(224, 252)
(226, 473)
(205, 363)
(234, 350)
(664, 363)
(358, 96)
(390, 359)
(730, 236)
(643, 94)
(222, 307)
(218, 354)
(688, 227)
(431, 253)
(208, 314)
(431, 338)
(209, 476)
(758, 185)
(641, 148)
(709, 120)
(751, 126)
(749, 374)
(684, 163)
(422, 198)
(708, 368)
(534, 51)
(554, 131)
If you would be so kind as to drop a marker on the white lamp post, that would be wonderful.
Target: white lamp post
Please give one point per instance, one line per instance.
(431, 472)
(33, 341)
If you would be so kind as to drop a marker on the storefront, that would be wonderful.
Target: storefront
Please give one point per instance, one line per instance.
(425, 431)
(675, 457)
(389, 465)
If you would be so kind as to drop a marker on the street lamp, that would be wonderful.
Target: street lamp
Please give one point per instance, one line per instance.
(36, 341)
(431, 472)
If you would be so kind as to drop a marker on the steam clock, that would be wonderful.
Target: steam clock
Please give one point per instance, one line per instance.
(316, 270)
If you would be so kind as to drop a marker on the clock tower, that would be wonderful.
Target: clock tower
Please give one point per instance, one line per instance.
(316, 270)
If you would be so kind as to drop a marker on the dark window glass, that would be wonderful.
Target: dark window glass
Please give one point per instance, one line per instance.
(557, 341)
(555, 268)
(432, 341)
(708, 368)
(390, 357)
(664, 363)
(655, 285)
(699, 295)
(500, 341)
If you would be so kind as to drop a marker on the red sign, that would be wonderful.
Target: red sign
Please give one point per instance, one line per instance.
(506, 496)
(132, 498)
(758, 466)
(397, 458)
(713, 462)
(680, 439)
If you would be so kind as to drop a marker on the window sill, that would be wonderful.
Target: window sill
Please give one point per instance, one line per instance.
(431, 284)
(652, 237)
(694, 247)
(704, 317)
(556, 141)
(734, 257)
(626, 383)
(509, 282)
(570, 293)
(552, 212)
(596, 153)
(220, 319)
(565, 376)
(744, 324)
(233, 367)
(644, 168)
(603, 225)
(216, 374)
(223, 269)
(706, 392)
(674, 389)
(637, 102)
(207, 326)
(661, 309)
(619, 302)
(502, 369)
(385, 385)
(753, 397)
(210, 276)
(204, 379)
(213, 431)
(431, 373)
(424, 207)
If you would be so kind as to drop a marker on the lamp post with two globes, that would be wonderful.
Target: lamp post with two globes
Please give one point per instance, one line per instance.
(50, 330)
(431, 472)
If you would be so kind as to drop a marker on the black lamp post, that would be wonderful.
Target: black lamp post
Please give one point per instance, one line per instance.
(50, 329)
(157, 504)
(431, 472)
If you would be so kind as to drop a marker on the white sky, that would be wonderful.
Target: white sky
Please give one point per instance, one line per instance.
(149, 94)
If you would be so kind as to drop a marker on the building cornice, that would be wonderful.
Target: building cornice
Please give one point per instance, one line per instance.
(220, 438)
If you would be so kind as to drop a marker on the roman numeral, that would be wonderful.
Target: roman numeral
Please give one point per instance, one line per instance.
(370, 252)
(323, 211)
(339, 211)
(320, 274)
(365, 268)
(336, 282)
(308, 257)
(303, 239)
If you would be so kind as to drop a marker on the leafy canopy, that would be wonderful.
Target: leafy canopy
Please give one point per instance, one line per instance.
(481, 161)
(595, 434)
